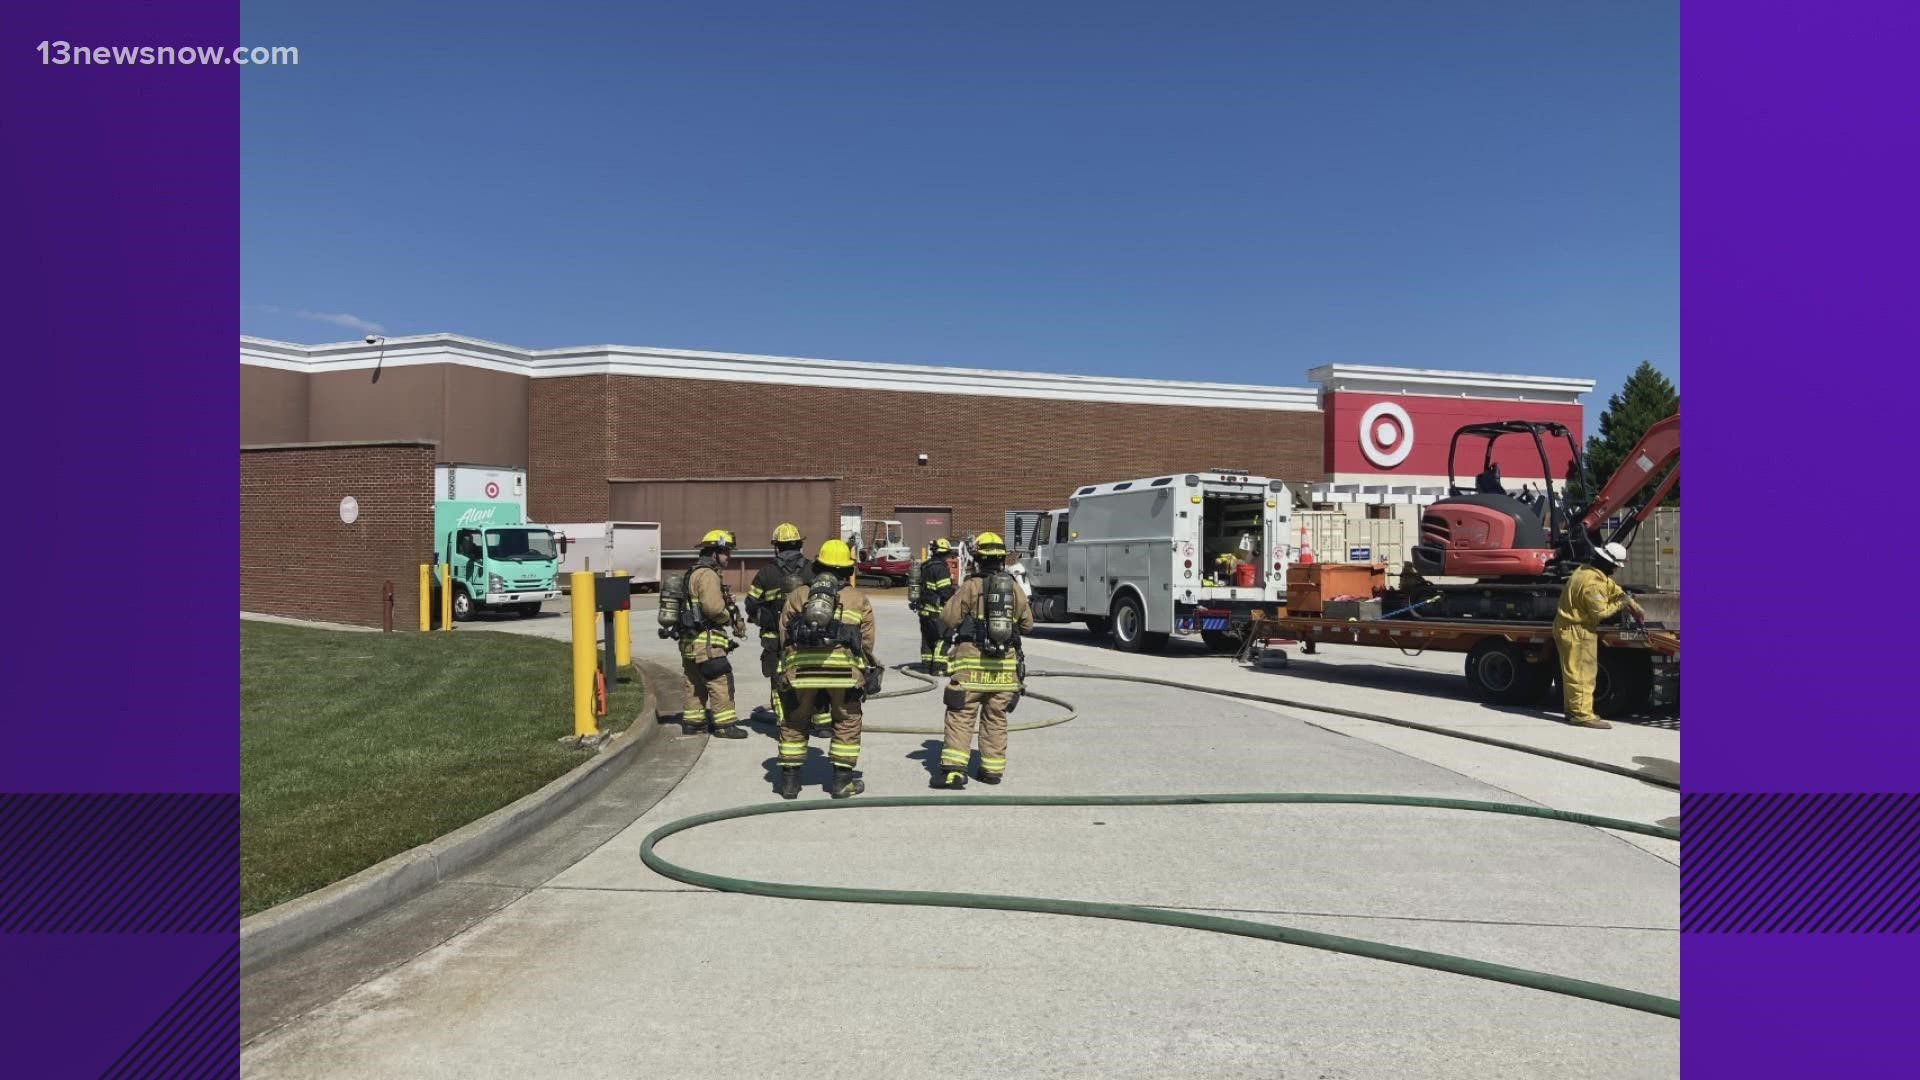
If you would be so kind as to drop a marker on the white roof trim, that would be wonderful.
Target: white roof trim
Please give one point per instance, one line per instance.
(781, 370)
(1430, 382)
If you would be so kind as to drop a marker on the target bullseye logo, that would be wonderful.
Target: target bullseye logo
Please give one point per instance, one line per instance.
(1386, 434)
(493, 490)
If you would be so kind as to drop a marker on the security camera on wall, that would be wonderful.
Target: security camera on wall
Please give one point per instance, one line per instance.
(371, 338)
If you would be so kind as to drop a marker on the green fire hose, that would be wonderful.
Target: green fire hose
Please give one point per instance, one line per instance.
(1459, 965)
(1558, 984)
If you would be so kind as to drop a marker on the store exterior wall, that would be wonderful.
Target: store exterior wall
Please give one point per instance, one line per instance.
(567, 460)
(273, 406)
(299, 559)
(986, 455)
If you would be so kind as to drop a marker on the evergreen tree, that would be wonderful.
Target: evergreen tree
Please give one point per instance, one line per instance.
(1647, 397)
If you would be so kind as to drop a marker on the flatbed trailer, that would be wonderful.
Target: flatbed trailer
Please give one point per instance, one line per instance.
(1507, 663)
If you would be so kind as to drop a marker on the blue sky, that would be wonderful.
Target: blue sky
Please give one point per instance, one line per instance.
(1219, 190)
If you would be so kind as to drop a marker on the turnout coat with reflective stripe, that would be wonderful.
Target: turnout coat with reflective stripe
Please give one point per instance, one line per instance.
(971, 670)
(834, 667)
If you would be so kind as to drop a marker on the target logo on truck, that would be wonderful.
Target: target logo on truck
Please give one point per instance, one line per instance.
(493, 489)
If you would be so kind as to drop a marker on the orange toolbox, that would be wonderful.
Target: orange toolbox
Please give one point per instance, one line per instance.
(1310, 587)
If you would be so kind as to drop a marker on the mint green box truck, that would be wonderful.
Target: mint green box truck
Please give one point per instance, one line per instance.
(499, 560)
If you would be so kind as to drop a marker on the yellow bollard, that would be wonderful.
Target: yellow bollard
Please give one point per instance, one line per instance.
(446, 596)
(583, 658)
(622, 637)
(426, 597)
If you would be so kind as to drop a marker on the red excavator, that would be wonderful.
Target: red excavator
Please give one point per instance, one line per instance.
(1523, 545)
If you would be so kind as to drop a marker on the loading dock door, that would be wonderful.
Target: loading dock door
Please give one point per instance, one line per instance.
(921, 524)
(851, 523)
(686, 509)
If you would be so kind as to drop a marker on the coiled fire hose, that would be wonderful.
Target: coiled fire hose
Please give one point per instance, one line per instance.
(1459, 965)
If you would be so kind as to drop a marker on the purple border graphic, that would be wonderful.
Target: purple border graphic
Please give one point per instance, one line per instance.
(122, 238)
(1800, 157)
(1802, 153)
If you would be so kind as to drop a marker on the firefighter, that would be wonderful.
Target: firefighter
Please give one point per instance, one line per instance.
(936, 588)
(985, 617)
(768, 596)
(706, 618)
(827, 634)
(1590, 598)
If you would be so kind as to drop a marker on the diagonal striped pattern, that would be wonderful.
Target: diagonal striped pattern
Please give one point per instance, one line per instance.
(119, 863)
(198, 1035)
(1800, 864)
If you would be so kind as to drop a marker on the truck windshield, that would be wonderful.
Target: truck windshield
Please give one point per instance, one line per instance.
(520, 545)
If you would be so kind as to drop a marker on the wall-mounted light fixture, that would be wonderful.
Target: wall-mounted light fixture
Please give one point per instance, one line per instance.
(376, 339)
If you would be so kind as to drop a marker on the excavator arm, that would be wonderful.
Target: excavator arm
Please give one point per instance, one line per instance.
(1657, 449)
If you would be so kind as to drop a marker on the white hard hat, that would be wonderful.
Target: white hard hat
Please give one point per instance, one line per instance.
(1613, 553)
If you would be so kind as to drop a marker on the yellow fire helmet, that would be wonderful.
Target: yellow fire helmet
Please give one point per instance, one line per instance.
(990, 545)
(943, 546)
(719, 538)
(787, 533)
(836, 554)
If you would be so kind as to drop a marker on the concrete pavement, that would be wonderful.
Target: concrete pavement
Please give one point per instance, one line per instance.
(605, 969)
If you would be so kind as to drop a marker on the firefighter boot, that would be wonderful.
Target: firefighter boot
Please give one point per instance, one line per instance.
(953, 779)
(693, 722)
(789, 782)
(845, 784)
(735, 730)
(986, 777)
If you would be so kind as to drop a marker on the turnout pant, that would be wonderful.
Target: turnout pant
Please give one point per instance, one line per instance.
(843, 706)
(933, 645)
(711, 694)
(1579, 650)
(770, 667)
(962, 708)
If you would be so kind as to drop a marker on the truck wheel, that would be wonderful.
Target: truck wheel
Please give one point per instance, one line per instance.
(462, 605)
(1625, 683)
(1499, 674)
(1223, 641)
(1129, 624)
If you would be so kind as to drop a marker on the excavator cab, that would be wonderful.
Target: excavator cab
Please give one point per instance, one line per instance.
(1484, 531)
(1518, 548)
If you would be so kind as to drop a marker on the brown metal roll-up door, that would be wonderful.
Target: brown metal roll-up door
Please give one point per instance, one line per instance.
(922, 524)
(751, 508)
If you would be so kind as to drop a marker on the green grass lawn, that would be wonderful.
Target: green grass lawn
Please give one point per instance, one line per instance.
(358, 746)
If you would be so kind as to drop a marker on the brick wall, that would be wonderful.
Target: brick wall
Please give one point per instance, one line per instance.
(567, 467)
(987, 455)
(298, 559)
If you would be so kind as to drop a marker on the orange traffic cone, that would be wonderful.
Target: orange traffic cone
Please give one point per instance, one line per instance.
(1306, 549)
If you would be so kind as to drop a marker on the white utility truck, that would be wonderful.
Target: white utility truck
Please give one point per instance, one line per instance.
(1141, 558)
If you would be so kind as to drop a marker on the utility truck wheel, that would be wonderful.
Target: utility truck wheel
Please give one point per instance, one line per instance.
(1129, 624)
(1625, 684)
(1499, 674)
(462, 605)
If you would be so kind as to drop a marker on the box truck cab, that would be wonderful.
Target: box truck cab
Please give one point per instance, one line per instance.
(498, 560)
(1141, 559)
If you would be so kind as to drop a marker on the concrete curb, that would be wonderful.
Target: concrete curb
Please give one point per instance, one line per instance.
(279, 930)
